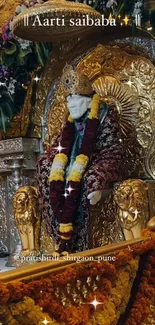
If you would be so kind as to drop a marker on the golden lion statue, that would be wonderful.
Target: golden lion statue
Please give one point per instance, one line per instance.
(132, 206)
(27, 218)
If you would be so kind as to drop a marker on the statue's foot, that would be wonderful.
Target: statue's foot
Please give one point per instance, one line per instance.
(34, 252)
(25, 252)
(56, 254)
(64, 247)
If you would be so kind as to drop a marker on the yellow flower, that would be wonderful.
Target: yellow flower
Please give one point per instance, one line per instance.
(66, 238)
(82, 160)
(75, 176)
(95, 108)
(62, 158)
(70, 119)
(57, 175)
(66, 227)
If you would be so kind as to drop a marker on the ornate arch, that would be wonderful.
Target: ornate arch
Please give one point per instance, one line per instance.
(129, 81)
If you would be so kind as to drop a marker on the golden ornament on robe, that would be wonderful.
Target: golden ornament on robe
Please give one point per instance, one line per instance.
(54, 20)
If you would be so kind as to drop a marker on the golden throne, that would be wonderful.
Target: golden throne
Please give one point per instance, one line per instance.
(125, 77)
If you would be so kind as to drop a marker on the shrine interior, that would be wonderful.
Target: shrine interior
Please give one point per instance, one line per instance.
(77, 162)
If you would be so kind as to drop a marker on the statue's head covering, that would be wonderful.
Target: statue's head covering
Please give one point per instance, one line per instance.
(74, 82)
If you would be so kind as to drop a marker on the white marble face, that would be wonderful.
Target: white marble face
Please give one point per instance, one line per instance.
(78, 105)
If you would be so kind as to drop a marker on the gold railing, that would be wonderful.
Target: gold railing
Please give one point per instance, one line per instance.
(38, 270)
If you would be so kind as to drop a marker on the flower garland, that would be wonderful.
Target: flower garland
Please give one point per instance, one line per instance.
(63, 207)
(114, 290)
(141, 307)
(18, 59)
(118, 297)
(111, 292)
(25, 310)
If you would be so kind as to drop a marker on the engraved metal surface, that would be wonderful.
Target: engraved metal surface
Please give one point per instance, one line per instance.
(138, 73)
(3, 249)
(28, 218)
(130, 70)
(146, 46)
(21, 153)
(51, 73)
(3, 219)
(76, 50)
(47, 244)
(132, 202)
(135, 74)
(124, 98)
(19, 125)
(19, 148)
(8, 229)
(17, 145)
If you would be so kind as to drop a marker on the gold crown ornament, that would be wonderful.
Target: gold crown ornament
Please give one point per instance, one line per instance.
(74, 82)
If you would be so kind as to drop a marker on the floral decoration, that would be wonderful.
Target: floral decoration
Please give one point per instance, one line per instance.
(18, 58)
(65, 205)
(114, 291)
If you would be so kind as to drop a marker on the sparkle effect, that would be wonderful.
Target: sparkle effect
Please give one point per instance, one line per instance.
(36, 79)
(59, 148)
(95, 303)
(65, 195)
(70, 189)
(126, 20)
(45, 321)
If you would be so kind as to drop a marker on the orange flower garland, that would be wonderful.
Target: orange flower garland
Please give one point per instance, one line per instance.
(140, 309)
(42, 291)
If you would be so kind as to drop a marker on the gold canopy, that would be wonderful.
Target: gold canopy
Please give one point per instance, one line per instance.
(39, 23)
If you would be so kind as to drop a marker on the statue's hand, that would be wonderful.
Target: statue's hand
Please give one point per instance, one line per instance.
(94, 197)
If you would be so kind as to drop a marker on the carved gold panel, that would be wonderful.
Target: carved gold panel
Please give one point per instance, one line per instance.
(58, 114)
(20, 123)
(129, 81)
